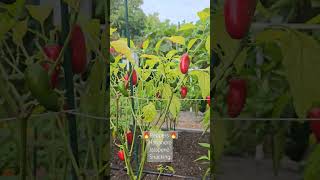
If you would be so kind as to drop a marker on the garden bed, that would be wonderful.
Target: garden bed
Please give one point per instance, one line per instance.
(186, 150)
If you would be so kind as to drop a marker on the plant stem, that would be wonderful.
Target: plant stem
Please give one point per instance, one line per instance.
(91, 145)
(23, 160)
(144, 153)
(69, 150)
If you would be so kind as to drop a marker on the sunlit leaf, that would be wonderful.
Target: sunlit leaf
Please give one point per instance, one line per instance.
(177, 39)
(191, 43)
(166, 91)
(175, 106)
(157, 47)
(112, 30)
(19, 31)
(39, 13)
(204, 14)
(121, 47)
(204, 82)
(171, 53)
(145, 44)
(149, 112)
(187, 26)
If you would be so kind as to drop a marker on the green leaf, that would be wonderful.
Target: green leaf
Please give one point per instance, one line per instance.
(191, 43)
(300, 54)
(157, 47)
(205, 145)
(171, 53)
(9, 23)
(175, 106)
(314, 20)
(166, 91)
(151, 63)
(132, 45)
(39, 13)
(149, 112)
(280, 105)
(187, 26)
(265, 12)
(92, 28)
(145, 75)
(92, 100)
(312, 169)
(240, 60)
(14, 9)
(204, 14)
(19, 31)
(201, 158)
(152, 57)
(121, 47)
(177, 39)
(171, 169)
(112, 30)
(145, 44)
(204, 82)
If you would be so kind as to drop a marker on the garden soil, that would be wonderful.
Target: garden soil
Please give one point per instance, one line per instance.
(186, 150)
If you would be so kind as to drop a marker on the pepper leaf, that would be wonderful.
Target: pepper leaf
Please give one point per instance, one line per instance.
(39, 13)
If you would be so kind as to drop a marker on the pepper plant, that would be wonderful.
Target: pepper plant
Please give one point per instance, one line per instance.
(181, 60)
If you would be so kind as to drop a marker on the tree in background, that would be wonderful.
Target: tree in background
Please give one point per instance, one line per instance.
(137, 17)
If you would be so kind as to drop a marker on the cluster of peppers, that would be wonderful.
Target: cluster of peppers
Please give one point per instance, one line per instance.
(238, 17)
(38, 78)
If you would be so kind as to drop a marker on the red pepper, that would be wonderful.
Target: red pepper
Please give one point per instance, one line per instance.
(134, 79)
(183, 92)
(112, 50)
(52, 52)
(314, 113)
(126, 80)
(79, 50)
(129, 137)
(184, 63)
(236, 97)
(238, 16)
(208, 100)
(121, 155)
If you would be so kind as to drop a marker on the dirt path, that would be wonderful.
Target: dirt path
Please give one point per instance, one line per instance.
(189, 120)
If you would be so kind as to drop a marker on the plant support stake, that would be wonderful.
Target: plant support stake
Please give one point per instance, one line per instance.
(135, 156)
(69, 84)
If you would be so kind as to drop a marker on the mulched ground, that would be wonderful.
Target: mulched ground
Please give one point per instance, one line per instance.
(186, 150)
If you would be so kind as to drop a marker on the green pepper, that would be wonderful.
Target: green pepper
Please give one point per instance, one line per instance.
(203, 105)
(122, 88)
(37, 80)
(111, 59)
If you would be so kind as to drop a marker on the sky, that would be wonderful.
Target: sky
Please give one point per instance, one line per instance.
(175, 10)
